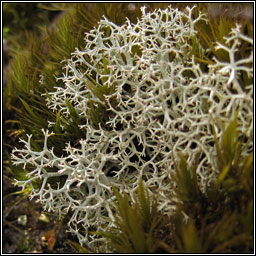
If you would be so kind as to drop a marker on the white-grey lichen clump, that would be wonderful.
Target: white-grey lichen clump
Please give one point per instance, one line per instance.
(165, 105)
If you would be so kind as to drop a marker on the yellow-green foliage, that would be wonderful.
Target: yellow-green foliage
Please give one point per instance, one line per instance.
(137, 224)
(231, 162)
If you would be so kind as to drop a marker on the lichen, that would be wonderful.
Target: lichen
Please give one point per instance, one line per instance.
(155, 102)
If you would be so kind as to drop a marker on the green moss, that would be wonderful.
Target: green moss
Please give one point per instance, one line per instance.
(136, 224)
(219, 220)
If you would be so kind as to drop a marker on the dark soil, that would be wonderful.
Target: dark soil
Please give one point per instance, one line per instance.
(31, 236)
